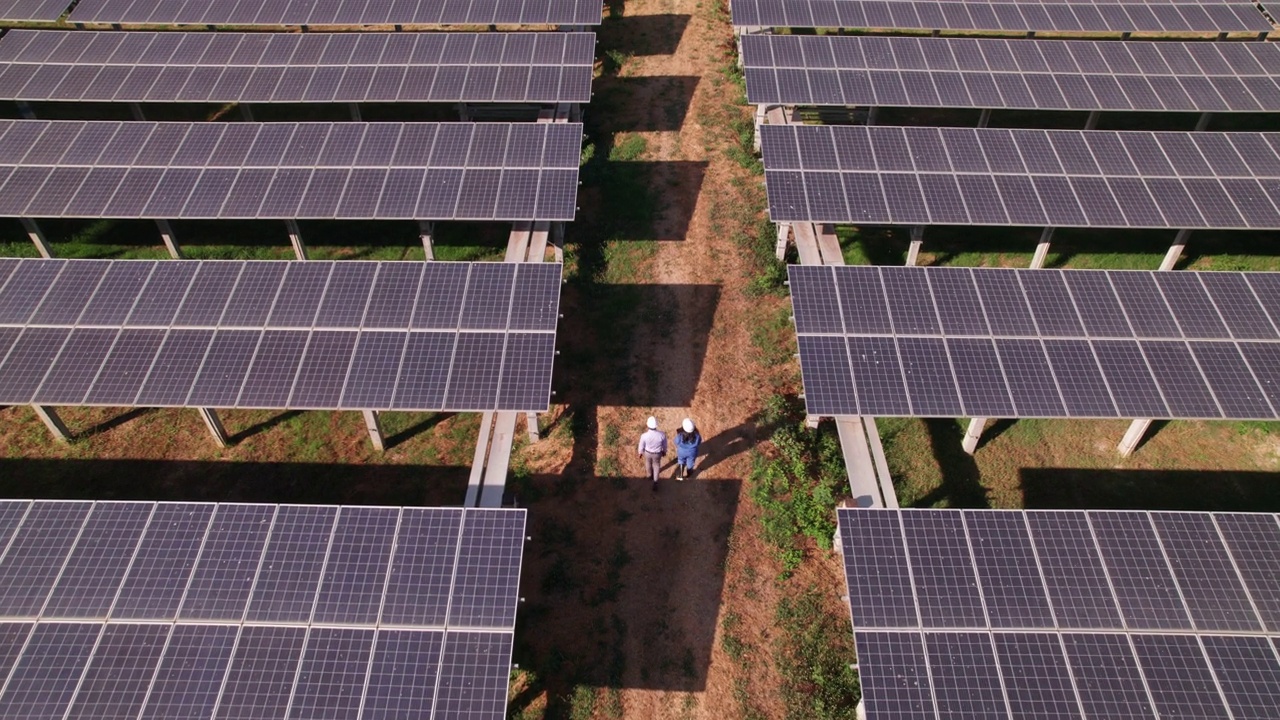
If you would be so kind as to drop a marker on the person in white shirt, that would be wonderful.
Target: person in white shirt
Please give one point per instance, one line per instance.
(652, 447)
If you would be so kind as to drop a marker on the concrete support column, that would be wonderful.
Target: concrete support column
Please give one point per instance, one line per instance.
(1175, 250)
(531, 420)
(1262, 35)
(1222, 36)
(295, 238)
(25, 111)
(135, 110)
(936, 33)
(1031, 34)
(214, 423)
(1203, 123)
(984, 119)
(1042, 249)
(811, 421)
(50, 418)
(973, 434)
(354, 109)
(374, 426)
(557, 241)
(780, 247)
(245, 113)
(917, 239)
(425, 228)
(37, 237)
(170, 240)
(1092, 122)
(1126, 35)
(872, 114)
(1133, 436)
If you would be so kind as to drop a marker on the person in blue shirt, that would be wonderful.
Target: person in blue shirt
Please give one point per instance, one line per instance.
(688, 440)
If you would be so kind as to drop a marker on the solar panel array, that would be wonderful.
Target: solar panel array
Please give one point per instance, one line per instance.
(962, 342)
(1010, 74)
(339, 12)
(32, 10)
(1095, 17)
(276, 334)
(292, 67)
(429, 171)
(201, 610)
(1064, 614)
(1059, 178)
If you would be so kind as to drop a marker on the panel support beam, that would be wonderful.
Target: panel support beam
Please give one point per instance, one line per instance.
(1172, 257)
(50, 418)
(984, 118)
(295, 239)
(873, 114)
(492, 457)
(214, 423)
(780, 247)
(973, 434)
(245, 113)
(531, 424)
(135, 111)
(1042, 249)
(37, 237)
(1202, 123)
(1133, 436)
(557, 241)
(374, 425)
(917, 239)
(170, 240)
(425, 230)
(354, 109)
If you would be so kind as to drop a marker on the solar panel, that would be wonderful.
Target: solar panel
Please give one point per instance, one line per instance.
(33, 10)
(214, 616)
(343, 170)
(282, 335)
(38, 65)
(1070, 177)
(1084, 662)
(960, 73)
(435, 12)
(1090, 17)
(1166, 352)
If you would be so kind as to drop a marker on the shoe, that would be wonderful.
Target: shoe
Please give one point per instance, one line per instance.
(680, 473)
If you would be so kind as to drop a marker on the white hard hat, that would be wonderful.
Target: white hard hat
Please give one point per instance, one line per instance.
(652, 423)
(687, 425)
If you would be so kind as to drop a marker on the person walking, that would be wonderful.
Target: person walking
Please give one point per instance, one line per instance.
(688, 440)
(653, 446)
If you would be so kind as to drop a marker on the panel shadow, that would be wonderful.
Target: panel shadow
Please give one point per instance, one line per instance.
(644, 34)
(649, 103)
(1088, 488)
(615, 201)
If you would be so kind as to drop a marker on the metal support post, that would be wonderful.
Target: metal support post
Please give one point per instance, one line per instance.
(295, 238)
(245, 113)
(50, 418)
(1042, 249)
(872, 114)
(214, 423)
(374, 427)
(917, 239)
(984, 119)
(37, 237)
(25, 111)
(1203, 123)
(1133, 436)
(1175, 250)
(170, 240)
(354, 108)
(973, 434)
(531, 420)
(135, 110)
(1092, 122)
(425, 228)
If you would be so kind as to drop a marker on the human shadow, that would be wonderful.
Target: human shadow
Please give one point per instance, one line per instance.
(1092, 488)
(961, 484)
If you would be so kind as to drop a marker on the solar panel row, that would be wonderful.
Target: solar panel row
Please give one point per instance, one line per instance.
(339, 12)
(441, 568)
(1013, 74)
(1009, 17)
(1066, 570)
(1102, 17)
(1045, 603)
(404, 336)
(32, 10)
(496, 171)
(954, 342)
(244, 67)
(1061, 178)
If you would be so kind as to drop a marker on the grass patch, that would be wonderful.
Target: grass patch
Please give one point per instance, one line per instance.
(813, 656)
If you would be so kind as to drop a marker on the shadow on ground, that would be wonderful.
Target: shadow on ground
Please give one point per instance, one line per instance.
(646, 34)
(1087, 488)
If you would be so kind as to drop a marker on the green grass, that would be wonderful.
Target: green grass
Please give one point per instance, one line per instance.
(813, 656)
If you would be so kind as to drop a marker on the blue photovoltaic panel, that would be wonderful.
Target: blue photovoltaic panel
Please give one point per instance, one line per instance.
(401, 658)
(223, 577)
(967, 684)
(190, 675)
(1144, 587)
(158, 576)
(1107, 676)
(262, 672)
(355, 573)
(285, 589)
(43, 681)
(422, 570)
(894, 675)
(487, 12)
(1210, 586)
(474, 672)
(488, 572)
(874, 553)
(1254, 543)
(331, 678)
(93, 573)
(1072, 569)
(946, 586)
(1036, 679)
(1012, 588)
(36, 555)
(116, 681)
(1248, 673)
(1178, 677)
